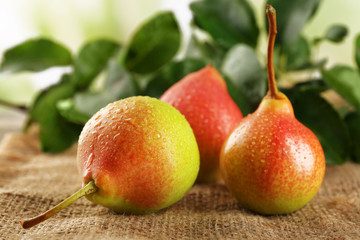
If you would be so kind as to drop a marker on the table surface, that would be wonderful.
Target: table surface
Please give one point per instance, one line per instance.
(32, 181)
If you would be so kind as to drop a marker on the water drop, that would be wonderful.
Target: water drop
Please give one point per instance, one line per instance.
(116, 136)
(100, 137)
(90, 160)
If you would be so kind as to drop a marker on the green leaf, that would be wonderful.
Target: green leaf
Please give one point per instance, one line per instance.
(346, 81)
(155, 43)
(213, 53)
(67, 109)
(336, 33)
(313, 85)
(357, 51)
(92, 59)
(119, 83)
(318, 115)
(228, 21)
(84, 104)
(297, 54)
(35, 55)
(242, 67)
(56, 134)
(292, 17)
(238, 97)
(170, 74)
(353, 123)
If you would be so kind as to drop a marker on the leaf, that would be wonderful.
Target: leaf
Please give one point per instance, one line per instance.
(170, 74)
(313, 85)
(238, 97)
(345, 81)
(119, 83)
(92, 59)
(357, 51)
(67, 109)
(56, 134)
(353, 123)
(292, 17)
(318, 115)
(155, 43)
(336, 33)
(242, 67)
(84, 105)
(35, 55)
(213, 53)
(228, 21)
(298, 54)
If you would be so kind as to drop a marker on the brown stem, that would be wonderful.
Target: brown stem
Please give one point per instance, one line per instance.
(273, 90)
(88, 189)
(12, 105)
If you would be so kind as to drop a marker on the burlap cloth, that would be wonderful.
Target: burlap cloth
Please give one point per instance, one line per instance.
(31, 182)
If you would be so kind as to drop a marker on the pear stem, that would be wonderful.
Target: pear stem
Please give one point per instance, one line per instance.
(88, 189)
(21, 108)
(271, 14)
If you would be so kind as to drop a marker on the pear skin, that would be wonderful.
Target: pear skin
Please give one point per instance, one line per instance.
(136, 156)
(203, 98)
(141, 153)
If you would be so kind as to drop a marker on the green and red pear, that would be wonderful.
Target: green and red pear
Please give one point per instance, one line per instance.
(271, 162)
(137, 155)
(203, 98)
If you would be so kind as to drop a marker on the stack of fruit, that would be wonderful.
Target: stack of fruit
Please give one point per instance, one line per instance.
(139, 155)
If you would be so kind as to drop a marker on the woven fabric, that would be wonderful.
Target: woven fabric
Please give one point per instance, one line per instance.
(32, 182)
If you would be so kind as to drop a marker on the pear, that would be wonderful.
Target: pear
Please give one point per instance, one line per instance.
(136, 156)
(272, 163)
(203, 98)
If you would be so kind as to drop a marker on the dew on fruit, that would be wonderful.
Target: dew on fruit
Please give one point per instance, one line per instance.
(119, 110)
(101, 136)
(116, 136)
(98, 124)
(90, 160)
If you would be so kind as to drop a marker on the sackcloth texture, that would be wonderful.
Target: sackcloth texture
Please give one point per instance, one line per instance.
(32, 182)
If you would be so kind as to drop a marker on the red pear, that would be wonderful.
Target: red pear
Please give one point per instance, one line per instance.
(203, 99)
(272, 163)
(137, 155)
